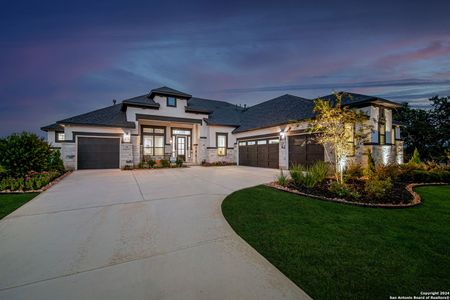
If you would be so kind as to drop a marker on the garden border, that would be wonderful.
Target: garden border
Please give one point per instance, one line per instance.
(416, 199)
(44, 188)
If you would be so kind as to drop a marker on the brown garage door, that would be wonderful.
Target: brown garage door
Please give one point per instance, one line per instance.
(262, 153)
(303, 150)
(98, 153)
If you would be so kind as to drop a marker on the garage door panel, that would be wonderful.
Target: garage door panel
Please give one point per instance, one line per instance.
(98, 153)
(304, 150)
(260, 154)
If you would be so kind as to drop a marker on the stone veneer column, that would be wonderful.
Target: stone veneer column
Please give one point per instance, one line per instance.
(126, 155)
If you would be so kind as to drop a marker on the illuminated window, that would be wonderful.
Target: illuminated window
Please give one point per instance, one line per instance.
(242, 143)
(153, 141)
(221, 141)
(262, 142)
(350, 128)
(274, 141)
(60, 136)
(382, 133)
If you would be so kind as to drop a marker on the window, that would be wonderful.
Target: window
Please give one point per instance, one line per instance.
(153, 141)
(242, 143)
(351, 138)
(251, 143)
(274, 141)
(262, 142)
(382, 133)
(221, 141)
(181, 131)
(59, 136)
(171, 101)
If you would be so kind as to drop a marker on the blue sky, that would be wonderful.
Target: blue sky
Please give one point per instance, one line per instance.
(59, 59)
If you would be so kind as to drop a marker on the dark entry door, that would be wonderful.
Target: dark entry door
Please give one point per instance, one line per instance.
(303, 150)
(98, 153)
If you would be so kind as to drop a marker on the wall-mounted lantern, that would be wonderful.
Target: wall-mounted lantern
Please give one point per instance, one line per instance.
(126, 137)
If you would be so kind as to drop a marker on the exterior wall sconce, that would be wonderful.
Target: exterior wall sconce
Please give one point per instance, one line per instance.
(126, 137)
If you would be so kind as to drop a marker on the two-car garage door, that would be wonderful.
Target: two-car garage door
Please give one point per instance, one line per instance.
(262, 153)
(98, 153)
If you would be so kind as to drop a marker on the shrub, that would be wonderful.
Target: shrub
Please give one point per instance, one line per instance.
(2, 172)
(33, 181)
(151, 163)
(343, 190)
(165, 163)
(22, 153)
(389, 171)
(423, 176)
(353, 172)
(370, 168)
(311, 176)
(297, 176)
(415, 159)
(55, 162)
(179, 162)
(282, 179)
(378, 187)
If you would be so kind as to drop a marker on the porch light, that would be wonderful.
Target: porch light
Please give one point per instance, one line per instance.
(282, 135)
(126, 137)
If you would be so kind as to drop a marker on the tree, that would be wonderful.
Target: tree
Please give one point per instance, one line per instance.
(415, 159)
(22, 153)
(337, 125)
(426, 130)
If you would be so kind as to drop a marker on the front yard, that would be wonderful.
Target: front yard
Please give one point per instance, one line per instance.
(11, 202)
(336, 251)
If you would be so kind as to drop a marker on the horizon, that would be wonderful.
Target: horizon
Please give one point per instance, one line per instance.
(63, 59)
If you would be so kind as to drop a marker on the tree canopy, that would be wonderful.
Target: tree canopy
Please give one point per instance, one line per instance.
(426, 130)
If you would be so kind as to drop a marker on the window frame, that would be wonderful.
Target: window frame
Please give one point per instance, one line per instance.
(380, 126)
(170, 105)
(153, 135)
(225, 134)
(57, 139)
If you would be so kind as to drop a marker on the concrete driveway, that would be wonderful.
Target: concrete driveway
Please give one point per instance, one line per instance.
(146, 234)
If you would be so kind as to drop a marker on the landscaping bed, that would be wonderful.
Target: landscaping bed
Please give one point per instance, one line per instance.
(398, 193)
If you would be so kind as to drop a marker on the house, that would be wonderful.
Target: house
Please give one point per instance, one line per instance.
(166, 123)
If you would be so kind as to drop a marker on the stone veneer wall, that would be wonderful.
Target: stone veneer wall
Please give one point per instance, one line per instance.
(126, 155)
(69, 155)
(213, 157)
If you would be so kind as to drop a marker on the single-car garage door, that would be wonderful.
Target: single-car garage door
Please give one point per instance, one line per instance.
(98, 153)
(303, 150)
(262, 153)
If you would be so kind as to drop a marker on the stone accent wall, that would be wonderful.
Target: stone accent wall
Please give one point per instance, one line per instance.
(126, 155)
(213, 157)
(69, 155)
(136, 150)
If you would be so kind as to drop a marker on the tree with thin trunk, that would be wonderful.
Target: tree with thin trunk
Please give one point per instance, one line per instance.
(339, 127)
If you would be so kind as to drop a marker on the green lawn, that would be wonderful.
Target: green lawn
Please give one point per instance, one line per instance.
(336, 251)
(11, 202)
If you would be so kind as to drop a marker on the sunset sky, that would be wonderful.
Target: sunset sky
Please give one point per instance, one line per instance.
(61, 59)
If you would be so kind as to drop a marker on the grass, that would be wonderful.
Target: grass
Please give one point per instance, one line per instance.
(336, 251)
(11, 202)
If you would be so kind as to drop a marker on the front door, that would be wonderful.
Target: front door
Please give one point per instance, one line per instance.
(181, 147)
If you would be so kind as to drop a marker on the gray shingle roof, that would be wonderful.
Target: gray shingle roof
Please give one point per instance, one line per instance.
(206, 105)
(53, 126)
(277, 111)
(229, 116)
(355, 99)
(142, 100)
(111, 116)
(164, 90)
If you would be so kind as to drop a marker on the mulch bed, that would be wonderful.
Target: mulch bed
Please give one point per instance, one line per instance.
(402, 192)
(398, 195)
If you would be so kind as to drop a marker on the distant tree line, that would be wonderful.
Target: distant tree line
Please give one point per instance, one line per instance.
(428, 130)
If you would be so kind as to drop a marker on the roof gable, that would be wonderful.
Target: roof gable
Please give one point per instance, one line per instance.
(164, 90)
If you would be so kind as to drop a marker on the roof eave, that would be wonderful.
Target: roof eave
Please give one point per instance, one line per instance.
(130, 125)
